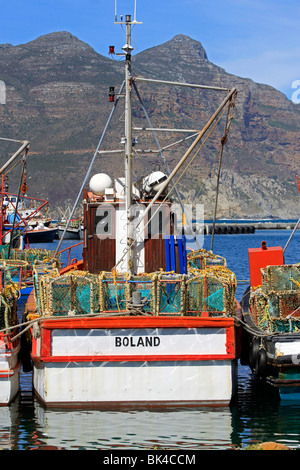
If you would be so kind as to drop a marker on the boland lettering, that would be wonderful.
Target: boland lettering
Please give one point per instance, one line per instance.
(137, 341)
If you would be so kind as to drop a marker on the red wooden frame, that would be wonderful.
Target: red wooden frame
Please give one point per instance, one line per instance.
(133, 322)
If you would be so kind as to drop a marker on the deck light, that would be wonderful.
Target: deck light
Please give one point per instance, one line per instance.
(111, 94)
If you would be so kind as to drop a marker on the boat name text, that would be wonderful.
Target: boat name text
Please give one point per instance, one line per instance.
(133, 341)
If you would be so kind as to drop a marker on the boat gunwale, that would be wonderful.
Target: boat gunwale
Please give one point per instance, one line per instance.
(137, 321)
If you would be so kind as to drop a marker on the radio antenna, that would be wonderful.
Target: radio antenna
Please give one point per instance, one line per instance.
(134, 15)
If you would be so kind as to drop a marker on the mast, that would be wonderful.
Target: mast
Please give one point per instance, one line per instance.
(127, 48)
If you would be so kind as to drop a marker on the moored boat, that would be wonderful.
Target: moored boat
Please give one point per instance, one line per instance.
(73, 232)
(271, 316)
(40, 234)
(22, 219)
(10, 364)
(114, 339)
(18, 267)
(137, 321)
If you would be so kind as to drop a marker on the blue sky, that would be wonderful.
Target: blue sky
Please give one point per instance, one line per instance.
(257, 39)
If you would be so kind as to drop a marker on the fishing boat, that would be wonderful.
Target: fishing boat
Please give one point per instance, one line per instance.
(14, 282)
(10, 363)
(15, 277)
(22, 221)
(27, 223)
(74, 230)
(40, 234)
(140, 320)
(271, 316)
(30, 223)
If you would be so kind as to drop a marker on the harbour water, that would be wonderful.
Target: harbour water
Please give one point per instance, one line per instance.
(256, 414)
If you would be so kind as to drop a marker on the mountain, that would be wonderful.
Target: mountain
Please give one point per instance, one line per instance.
(57, 98)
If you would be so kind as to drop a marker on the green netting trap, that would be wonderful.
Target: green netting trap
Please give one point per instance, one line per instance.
(276, 304)
(211, 291)
(200, 259)
(281, 278)
(74, 294)
(170, 294)
(276, 312)
(15, 271)
(33, 255)
(145, 285)
(114, 294)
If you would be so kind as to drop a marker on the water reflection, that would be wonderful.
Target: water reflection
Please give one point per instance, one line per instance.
(8, 422)
(256, 415)
(95, 429)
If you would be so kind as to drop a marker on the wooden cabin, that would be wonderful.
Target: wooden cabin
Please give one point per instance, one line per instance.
(105, 232)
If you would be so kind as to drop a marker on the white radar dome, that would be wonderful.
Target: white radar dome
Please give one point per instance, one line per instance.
(154, 181)
(99, 183)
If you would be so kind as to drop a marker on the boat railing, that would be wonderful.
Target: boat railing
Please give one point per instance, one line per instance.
(69, 248)
(22, 220)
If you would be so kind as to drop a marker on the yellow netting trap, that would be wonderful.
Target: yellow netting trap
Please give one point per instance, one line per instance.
(208, 291)
(276, 303)
(30, 255)
(200, 259)
(170, 297)
(211, 290)
(10, 284)
(8, 311)
(14, 271)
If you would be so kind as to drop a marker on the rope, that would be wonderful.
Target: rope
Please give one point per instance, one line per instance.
(115, 283)
(223, 142)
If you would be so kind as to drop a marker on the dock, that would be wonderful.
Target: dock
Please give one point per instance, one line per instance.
(233, 227)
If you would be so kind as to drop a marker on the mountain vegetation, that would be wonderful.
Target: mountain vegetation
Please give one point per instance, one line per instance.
(57, 98)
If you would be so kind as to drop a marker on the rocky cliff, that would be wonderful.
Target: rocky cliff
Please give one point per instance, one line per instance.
(57, 98)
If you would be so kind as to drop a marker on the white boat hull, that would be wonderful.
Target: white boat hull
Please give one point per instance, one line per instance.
(71, 234)
(116, 383)
(9, 374)
(186, 365)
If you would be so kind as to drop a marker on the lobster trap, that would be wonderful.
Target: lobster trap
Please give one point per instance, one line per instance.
(142, 292)
(70, 294)
(170, 294)
(281, 278)
(31, 255)
(211, 292)
(276, 304)
(114, 292)
(14, 272)
(200, 259)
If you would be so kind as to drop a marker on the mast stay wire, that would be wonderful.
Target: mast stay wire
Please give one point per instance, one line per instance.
(223, 142)
(89, 169)
(230, 103)
(165, 162)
